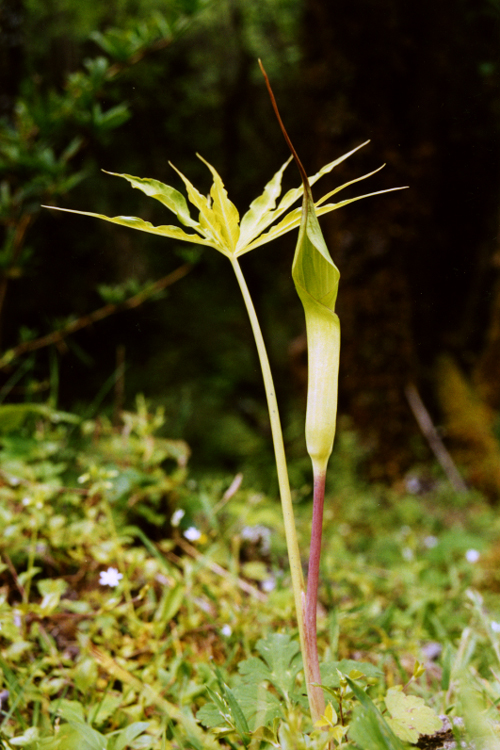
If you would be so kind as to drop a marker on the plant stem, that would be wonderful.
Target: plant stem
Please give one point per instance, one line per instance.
(308, 644)
(313, 574)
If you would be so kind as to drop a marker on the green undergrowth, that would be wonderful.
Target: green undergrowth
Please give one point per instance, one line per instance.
(141, 608)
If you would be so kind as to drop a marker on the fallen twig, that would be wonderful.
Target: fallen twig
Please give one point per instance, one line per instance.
(220, 571)
(431, 434)
(86, 320)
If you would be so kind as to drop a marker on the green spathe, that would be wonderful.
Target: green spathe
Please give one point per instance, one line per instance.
(316, 279)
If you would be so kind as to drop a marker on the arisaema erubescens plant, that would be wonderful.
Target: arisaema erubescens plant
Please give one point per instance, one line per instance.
(217, 224)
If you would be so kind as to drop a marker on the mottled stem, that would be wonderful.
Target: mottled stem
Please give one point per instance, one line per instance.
(311, 602)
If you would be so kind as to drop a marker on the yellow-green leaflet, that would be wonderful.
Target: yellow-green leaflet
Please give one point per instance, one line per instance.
(316, 278)
(218, 223)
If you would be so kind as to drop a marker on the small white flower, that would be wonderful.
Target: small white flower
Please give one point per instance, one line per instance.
(413, 485)
(495, 626)
(192, 534)
(260, 535)
(226, 630)
(268, 585)
(110, 577)
(407, 553)
(431, 541)
(472, 555)
(26, 501)
(177, 517)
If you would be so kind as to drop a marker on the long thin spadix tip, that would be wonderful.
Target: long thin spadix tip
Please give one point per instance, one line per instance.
(301, 169)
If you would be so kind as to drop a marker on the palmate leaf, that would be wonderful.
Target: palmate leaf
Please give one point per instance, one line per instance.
(211, 716)
(410, 717)
(258, 704)
(218, 223)
(280, 663)
(292, 220)
(368, 728)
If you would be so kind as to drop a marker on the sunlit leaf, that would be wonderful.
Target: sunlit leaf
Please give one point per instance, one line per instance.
(211, 716)
(129, 734)
(410, 717)
(168, 196)
(260, 707)
(368, 728)
(346, 184)
(133, 222)
(279, 665)
(296, 193)
(218, 224)
(289, 222)
(225, 212)
(51, 589)
(207, 219)
(255, 219)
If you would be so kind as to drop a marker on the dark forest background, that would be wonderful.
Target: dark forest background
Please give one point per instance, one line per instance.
(129, 85)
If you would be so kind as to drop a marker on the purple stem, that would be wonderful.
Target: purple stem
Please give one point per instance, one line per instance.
(313, 579)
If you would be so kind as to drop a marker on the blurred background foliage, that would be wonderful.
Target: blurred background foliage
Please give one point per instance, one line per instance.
(130, 85)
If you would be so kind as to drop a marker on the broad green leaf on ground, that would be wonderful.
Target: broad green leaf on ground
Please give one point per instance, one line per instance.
(258, 704)
(410, 717)
(237, 714)
(51, 589)
(280, 663)
(106, 708)
(224, 711)
(218, 224)
(368, 728)
(130, 733)
(211, 716)
(83, 737)
(70, 710)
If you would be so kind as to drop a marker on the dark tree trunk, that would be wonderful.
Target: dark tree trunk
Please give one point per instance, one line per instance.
(11, 53)
(421, 81)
